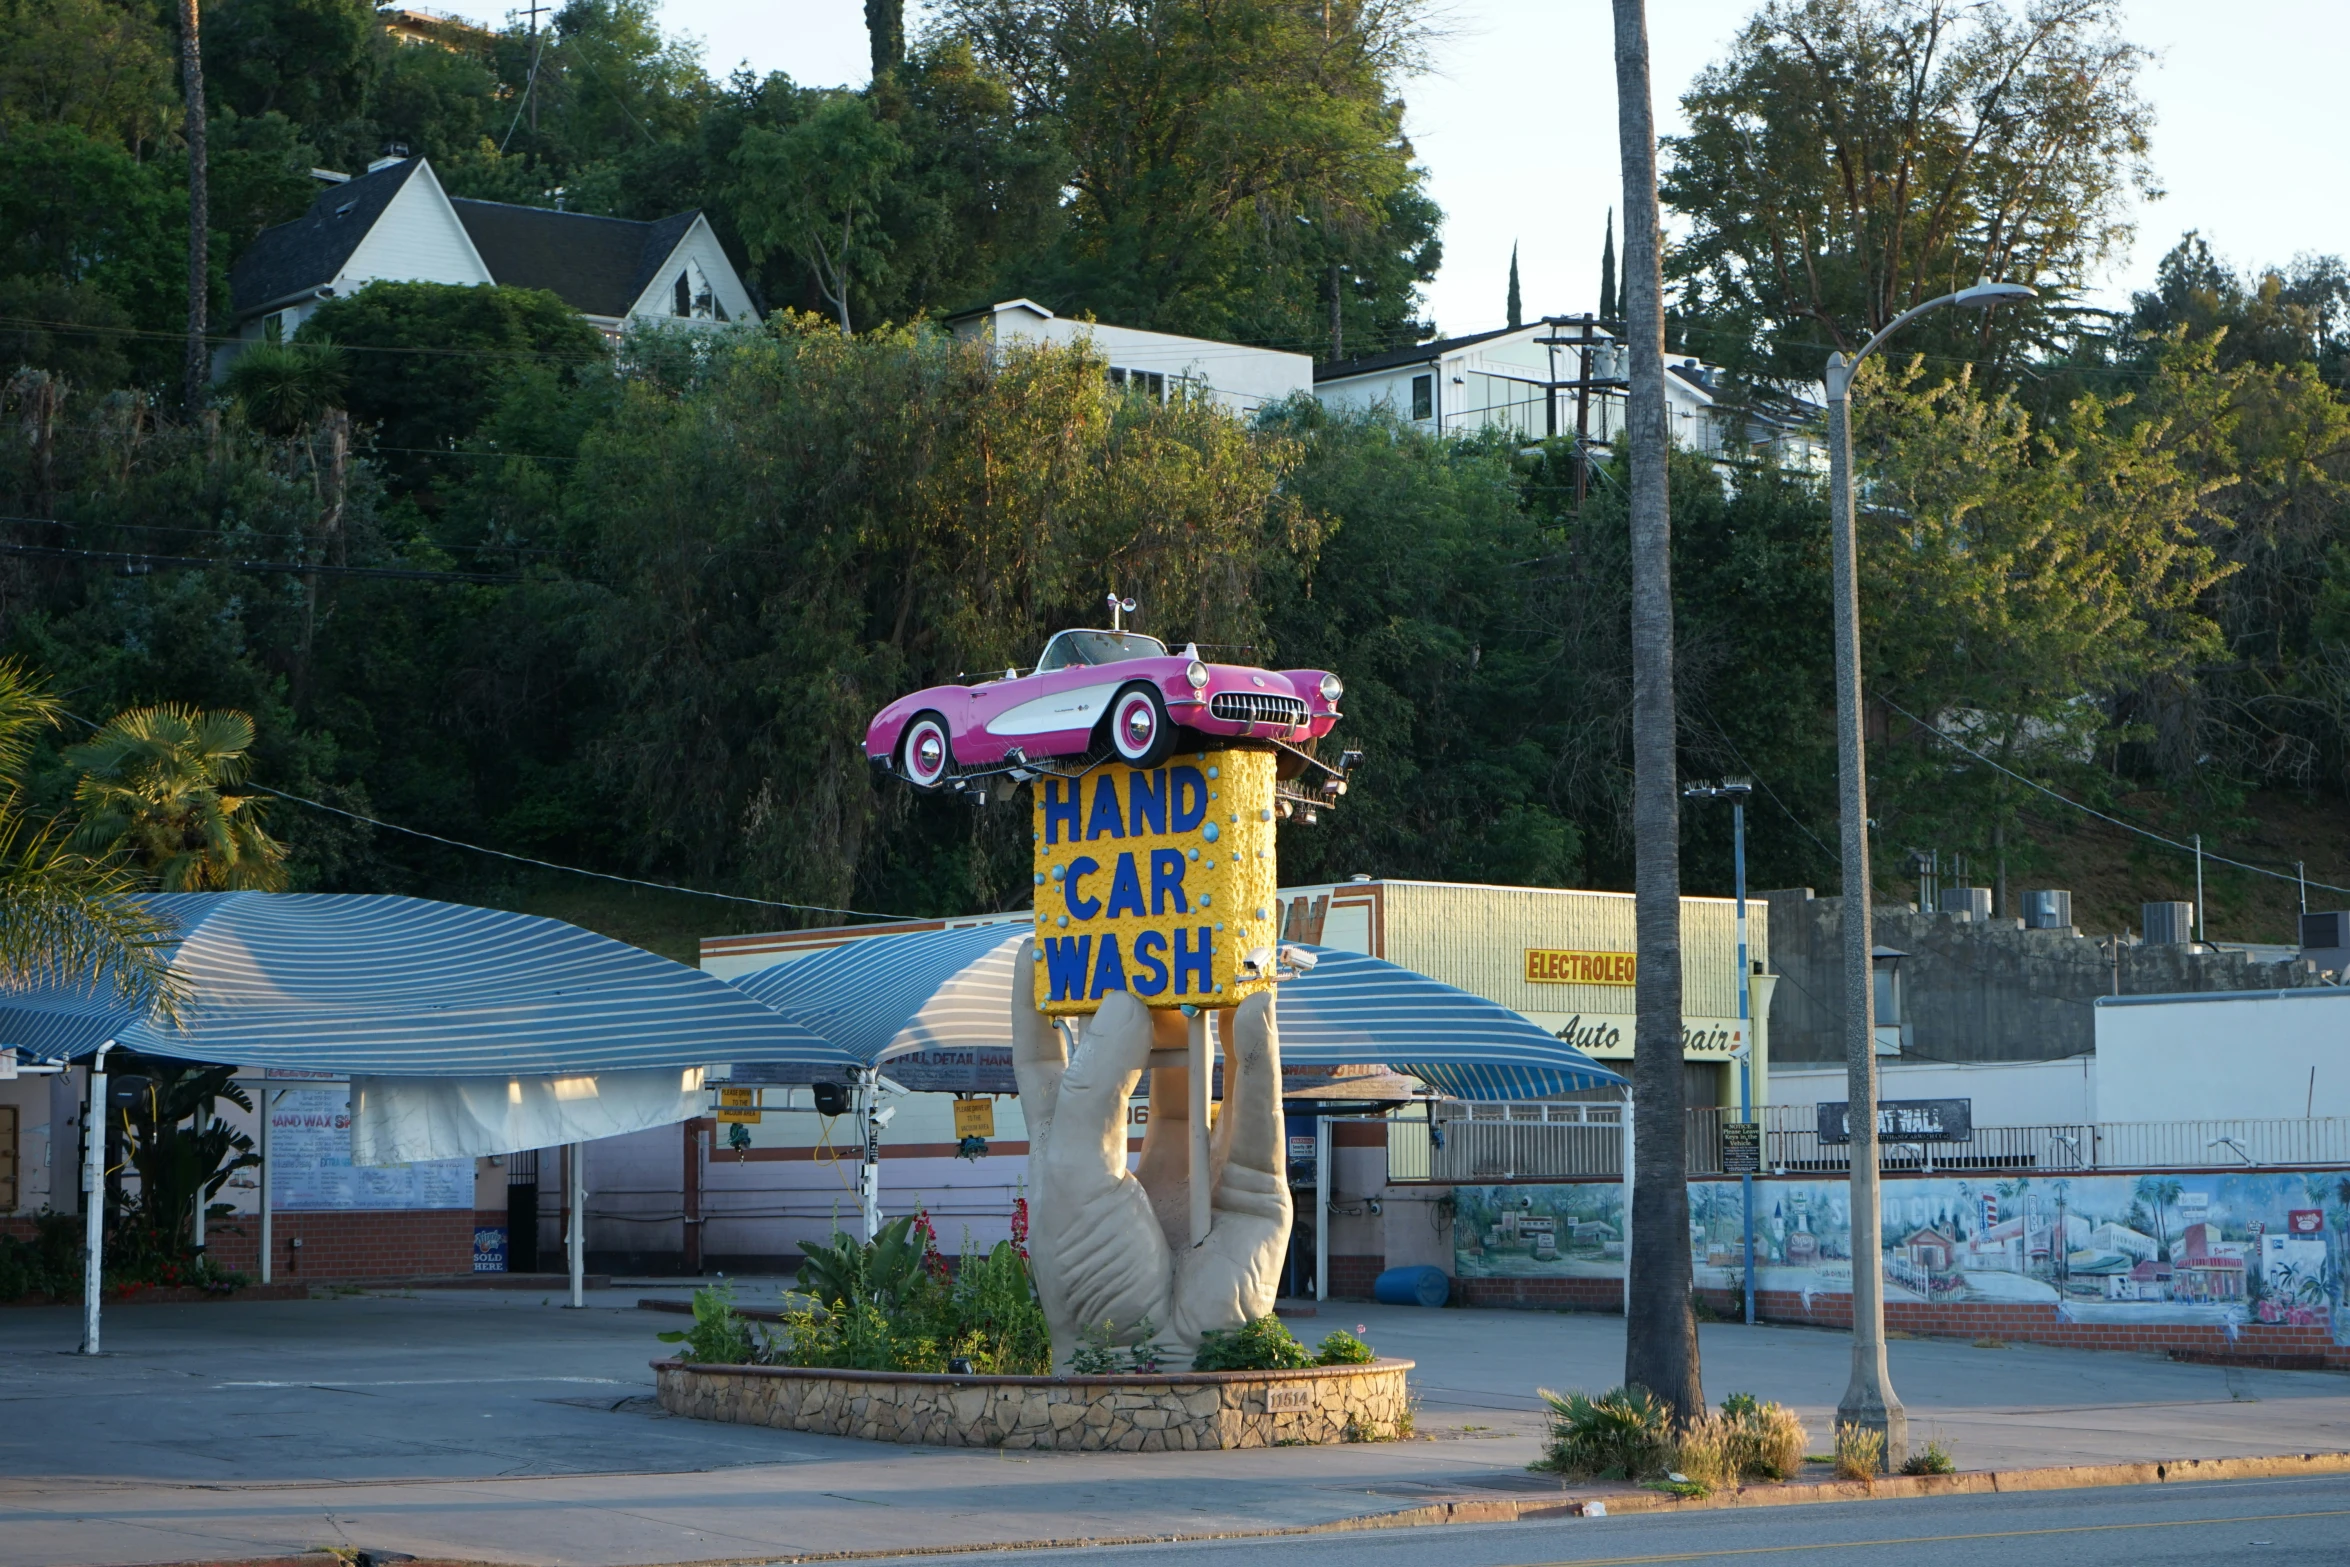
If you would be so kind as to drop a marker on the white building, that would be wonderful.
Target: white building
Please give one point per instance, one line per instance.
(2248, 1055)
(1522, 379)
(396, 224)
(1232, 375)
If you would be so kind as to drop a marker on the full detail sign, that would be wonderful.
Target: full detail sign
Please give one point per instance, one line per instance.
(1904, 1121)
(1157, 882)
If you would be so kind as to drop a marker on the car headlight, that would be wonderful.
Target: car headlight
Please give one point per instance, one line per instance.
(1197, 673)
(1332, 688)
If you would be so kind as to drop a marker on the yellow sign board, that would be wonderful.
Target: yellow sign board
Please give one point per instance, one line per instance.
(1545, 966)
(974, 1118)
(738, 1107)
(1159, 882)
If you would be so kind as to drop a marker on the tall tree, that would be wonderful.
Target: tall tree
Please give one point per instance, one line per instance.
(1660, 1335)
(196, 368)
(1516, 304)
(1607, 270)
(815, 190)
(885, 33)
(1852, 158)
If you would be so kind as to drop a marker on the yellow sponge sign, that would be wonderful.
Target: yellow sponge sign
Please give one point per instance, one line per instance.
(974, 1118)
(1157, 882)
(738, 1107)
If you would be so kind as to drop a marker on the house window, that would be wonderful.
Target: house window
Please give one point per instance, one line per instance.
(1423, 397)
(685, 297)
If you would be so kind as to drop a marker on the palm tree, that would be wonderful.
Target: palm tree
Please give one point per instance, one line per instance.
(184, 1152)
(2158, 1192)
(1660, 1337)
(152, 789)
(67, 918)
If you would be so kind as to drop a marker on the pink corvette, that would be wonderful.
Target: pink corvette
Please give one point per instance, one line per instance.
(1095, 694)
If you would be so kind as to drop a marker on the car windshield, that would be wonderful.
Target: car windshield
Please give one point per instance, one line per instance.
(1073, 648)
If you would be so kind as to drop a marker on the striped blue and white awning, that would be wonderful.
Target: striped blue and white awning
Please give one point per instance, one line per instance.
(407, 987)
(951, 990)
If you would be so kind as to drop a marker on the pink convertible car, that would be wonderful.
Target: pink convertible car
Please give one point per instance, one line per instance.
(1096, 694)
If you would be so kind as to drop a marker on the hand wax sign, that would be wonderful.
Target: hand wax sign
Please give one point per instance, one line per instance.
(1159, 882)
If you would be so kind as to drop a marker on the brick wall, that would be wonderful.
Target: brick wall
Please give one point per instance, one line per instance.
(1351, 1275)
(1542, 1294)
(400, 1243)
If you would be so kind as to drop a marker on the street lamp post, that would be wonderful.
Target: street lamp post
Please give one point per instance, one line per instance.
(1869, 1401)
(1735, 790)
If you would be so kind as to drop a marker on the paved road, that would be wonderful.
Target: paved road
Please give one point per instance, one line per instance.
(2280, 1521)
(499, 1426)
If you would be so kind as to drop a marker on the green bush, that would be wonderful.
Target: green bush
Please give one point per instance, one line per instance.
(896, 1304)
(1626, 1434)
(1342, 1348)
(720, 1336)
(48, 1264)
(1262, 1345)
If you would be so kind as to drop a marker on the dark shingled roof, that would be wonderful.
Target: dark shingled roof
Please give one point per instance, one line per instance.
(1418, 353)
(599, 266)
(295, 257)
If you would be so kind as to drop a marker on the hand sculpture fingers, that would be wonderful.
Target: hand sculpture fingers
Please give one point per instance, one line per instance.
(1165, 1166)
(1038, 1054)
(1109, 1259)
(1235, 1276)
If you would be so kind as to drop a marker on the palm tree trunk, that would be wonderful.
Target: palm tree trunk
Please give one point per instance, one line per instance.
(1660, 1337)
(197, 370)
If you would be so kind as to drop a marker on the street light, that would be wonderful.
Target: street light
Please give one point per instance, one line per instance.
(1735, 790)
(1869, 1401)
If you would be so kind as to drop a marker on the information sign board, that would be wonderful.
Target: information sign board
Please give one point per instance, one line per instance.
(310, 1168)
(1904, 1121)
(1741, 1148)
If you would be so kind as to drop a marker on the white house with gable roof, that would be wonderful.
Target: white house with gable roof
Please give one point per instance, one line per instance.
(1232, 375)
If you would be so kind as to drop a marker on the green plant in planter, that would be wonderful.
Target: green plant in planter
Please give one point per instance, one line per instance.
(719, 1336)
(1626, 1434)
(1266, 1344)
(1342, 1348)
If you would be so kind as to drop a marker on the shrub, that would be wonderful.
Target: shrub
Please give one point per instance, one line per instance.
(1860, 1453)
(48, 1264)
(719, 1336)
(1623, 1435)
(1932, 1459)
(1767, 1441)
(1265, 1344)
(1704, 1455)
(895, 1304)
(1342, 1348)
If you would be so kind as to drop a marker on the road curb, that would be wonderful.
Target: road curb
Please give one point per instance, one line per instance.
(1470, 1510)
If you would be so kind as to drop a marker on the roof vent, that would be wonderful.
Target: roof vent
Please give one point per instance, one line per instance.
(2048, 908)
(344, 210)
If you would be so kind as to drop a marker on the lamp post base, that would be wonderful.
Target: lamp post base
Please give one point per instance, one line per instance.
(1874, 1408)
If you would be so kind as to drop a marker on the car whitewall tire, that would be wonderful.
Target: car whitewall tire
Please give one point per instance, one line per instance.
(1140, 731)
(926, 755)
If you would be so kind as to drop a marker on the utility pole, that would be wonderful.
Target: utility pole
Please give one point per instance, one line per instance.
(196, 369)
(1588, 338)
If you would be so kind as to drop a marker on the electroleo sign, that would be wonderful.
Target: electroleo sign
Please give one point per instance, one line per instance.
(1158, 882)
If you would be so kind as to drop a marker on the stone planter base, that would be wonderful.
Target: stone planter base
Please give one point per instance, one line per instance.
(1180, 1412)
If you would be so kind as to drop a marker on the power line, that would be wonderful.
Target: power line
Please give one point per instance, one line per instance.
(550, 865)
(2183, 848)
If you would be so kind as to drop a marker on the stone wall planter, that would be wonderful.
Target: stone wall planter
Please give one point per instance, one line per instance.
(1179, 1412)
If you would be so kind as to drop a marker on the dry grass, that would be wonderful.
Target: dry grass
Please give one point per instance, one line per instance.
(1705, 1453)
(1990, 1343)
(1860, 1453)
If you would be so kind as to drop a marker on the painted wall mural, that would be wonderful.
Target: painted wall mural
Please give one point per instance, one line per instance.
(2211, 1247)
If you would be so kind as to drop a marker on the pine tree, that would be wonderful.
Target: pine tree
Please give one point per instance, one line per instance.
(1607, 271)
(885, 30)
(1517, 302)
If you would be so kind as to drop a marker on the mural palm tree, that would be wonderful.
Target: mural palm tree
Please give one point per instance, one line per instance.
(154, 789)
(2158, 1192)
(66, 917)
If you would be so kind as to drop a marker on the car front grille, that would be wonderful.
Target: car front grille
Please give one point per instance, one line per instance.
(1257, 707)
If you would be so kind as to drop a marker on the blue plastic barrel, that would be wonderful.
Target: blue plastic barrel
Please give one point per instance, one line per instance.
(1425, 1285)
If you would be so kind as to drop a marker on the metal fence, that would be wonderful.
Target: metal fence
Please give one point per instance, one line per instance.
(1448, 1142)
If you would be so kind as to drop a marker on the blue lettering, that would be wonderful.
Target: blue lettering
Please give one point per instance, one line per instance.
(1190, 798)
(1106, 820)
(1109, 973)
(1167, 877)
(1081, 906)
(1125, 889)
(1058, 810)
(1150, 950)
(1146, 797)
(1064, 962)
(1202, 962)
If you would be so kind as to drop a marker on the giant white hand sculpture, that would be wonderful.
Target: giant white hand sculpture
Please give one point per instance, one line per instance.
(1107, 1244)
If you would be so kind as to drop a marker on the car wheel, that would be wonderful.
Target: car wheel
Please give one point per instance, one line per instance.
(926, 755)
(1140, 731)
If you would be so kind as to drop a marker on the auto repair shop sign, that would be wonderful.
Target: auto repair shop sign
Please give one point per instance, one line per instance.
(1159, 882)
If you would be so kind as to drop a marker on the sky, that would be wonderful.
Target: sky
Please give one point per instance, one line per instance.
(1517, 126)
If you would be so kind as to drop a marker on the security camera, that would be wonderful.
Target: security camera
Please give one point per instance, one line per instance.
(1259, 961)
(882, 1118)
(1299, 958)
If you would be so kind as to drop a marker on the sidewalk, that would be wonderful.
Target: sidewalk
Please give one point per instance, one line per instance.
(489, 1427)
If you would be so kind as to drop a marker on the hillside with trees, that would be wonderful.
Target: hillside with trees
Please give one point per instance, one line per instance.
(474, 570)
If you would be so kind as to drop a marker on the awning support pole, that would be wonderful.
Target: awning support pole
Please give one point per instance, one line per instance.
(94, 1198)
(576, 1239)
(869, 1167)
(1202, 1060)
(268, 1241)
(1321, 1207)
